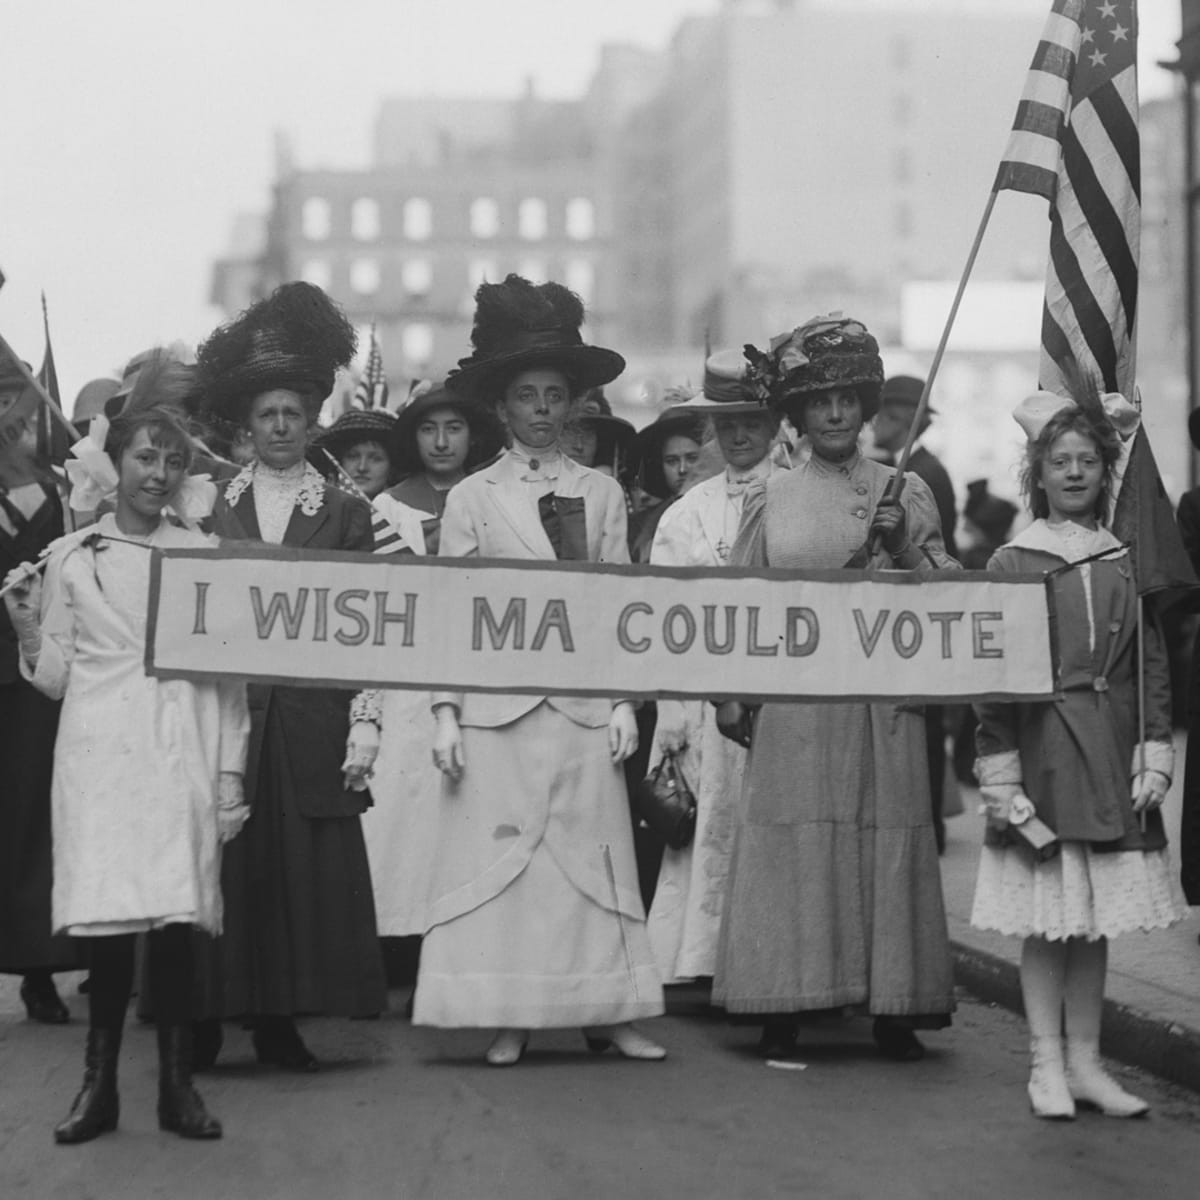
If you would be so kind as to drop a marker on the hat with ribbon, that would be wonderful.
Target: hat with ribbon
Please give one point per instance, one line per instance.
(519, 325)
(727, 390)
(826, 352)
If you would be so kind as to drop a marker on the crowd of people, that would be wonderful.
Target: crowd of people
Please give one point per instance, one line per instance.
(263, 838)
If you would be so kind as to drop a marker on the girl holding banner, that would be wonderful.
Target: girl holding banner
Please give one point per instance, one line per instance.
(535, 920)
(1075, 764)
(147, 772)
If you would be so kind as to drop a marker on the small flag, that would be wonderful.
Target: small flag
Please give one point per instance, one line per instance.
(53, 441)
(1075, 142)
(372, 389)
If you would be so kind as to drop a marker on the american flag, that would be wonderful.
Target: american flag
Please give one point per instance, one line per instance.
(372, 389)
(1075, 142)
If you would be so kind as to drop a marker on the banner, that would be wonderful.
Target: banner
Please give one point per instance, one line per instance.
(282, 615)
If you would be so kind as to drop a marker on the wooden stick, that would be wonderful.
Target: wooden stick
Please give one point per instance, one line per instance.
(40, 565)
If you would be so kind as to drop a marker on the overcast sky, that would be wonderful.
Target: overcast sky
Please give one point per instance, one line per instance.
(132, 131)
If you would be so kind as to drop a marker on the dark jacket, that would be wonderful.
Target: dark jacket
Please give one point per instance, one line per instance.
(310, 724)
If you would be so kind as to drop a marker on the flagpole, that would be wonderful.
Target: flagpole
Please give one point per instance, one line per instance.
(32, 380)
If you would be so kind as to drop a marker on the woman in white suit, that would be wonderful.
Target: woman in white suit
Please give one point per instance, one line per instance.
(534, 918)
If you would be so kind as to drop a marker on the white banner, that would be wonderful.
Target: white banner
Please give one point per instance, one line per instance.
(354, 620)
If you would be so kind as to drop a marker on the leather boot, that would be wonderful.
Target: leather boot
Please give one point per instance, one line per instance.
(180, 1109)
(1048, 1094)
(97, 1107)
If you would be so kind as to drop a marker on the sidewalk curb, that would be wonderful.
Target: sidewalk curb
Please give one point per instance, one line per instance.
(1167, 1049)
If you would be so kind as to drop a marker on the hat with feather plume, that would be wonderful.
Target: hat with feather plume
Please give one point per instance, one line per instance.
(297, 338)
(519, 325)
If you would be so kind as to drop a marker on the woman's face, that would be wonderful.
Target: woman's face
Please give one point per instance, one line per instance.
(148, 478)
(278, 425)
(1072, 475)
(580, 442)
(535, 406)
(368, 464)
(443, 440)
(680, 457)
(833, 420)
(745, 440)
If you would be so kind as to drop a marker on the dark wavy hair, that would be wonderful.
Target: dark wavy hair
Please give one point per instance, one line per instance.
(1068, 420)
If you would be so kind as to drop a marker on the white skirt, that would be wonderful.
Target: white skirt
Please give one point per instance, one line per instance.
(1079, 893)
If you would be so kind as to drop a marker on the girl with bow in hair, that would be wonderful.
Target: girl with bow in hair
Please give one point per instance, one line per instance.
(147, 772)
(1075, 763)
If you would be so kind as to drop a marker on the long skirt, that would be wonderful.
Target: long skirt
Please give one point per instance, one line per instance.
(299, 915)
(684, 921)
(559, 939)
(28, 724)
(835, 895)
(1079, 893)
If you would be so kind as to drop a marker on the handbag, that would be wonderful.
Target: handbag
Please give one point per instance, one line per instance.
(666, 803)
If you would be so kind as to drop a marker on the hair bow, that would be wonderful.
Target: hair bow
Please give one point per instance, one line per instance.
(1034, 411)
(91, 472)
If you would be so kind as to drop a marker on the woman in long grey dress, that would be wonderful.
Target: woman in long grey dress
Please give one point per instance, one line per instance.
(835, 895)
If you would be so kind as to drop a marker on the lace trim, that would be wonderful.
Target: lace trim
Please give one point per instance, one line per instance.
(310, 496)
(367, 705)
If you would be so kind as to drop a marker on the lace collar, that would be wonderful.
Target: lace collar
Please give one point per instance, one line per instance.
(303, 478)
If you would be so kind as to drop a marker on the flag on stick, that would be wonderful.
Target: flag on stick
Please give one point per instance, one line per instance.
(372, 390)
(53, 441)
(1075, 142)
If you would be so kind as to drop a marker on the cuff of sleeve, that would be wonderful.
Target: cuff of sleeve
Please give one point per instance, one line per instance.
(367, 706)
(992, 769)
(1160, 756)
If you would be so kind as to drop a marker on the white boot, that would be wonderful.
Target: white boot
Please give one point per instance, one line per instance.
(1049, 1096)
(1090, 1084)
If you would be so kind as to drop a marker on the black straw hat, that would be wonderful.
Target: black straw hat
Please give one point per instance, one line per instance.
(519, 325)
(487, 433)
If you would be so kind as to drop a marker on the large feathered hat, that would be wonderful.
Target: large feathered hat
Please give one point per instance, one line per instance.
(827, 352)
(519, 325)
(296, 338)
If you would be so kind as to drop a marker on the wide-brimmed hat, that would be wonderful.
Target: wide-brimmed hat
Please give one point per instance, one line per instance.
(519, 325)
(614, 435)
(826, 352)
(727, 390)
(297, 338)
(487, 433)
(357, 425)
(645, 459)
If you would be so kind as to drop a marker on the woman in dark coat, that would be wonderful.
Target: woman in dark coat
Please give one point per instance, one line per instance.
(300, 919)
(30, 518)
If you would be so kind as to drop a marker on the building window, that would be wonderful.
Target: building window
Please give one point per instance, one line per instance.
(534, 269)
(364, 276)
(317, 272)
(581, 278)
(902, 165)
(315, 219)
(531, 219)
(418, 219)
(364, 219)
(581, 219)
(417, 276)
(485, 217)
(416, 343)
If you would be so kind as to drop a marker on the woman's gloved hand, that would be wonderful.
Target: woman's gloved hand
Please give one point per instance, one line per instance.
(1005, 804)
(1150, 789)
(622, 731)
(362, 748)
(448, 754)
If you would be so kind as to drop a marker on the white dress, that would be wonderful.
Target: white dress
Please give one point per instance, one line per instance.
(134, 798)
(684, 921)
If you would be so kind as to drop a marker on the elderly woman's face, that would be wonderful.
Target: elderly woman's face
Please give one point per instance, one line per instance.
(368, 464)
(745, 440)
(833, 420)
(278, 425)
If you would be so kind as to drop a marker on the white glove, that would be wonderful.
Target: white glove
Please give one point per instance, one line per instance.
(23, 599)
(232, 809)
(670, 731)
(1149, 790)
(1005, 804)
(362, 748)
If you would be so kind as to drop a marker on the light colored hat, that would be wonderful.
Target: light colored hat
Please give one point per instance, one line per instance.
(726, 391)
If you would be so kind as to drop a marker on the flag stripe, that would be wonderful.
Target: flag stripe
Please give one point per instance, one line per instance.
(1025, 177)
(1035, 117)
(1056, 348)
(1041, 87)
(1103, 221)
(1121, 126)
(1093, 323)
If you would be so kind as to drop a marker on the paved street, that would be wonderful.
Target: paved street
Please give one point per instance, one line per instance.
(414, 1114)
